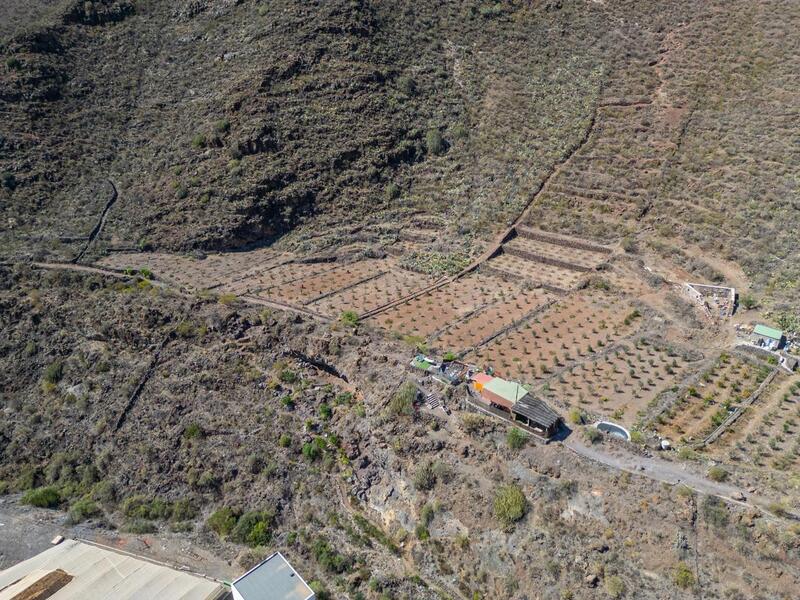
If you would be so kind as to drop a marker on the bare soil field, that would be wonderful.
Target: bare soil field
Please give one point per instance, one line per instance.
(198, 273)
(577, 256)
(373, 294)
(309, 286)
(422, 316)
(490, 320)
(537, 273)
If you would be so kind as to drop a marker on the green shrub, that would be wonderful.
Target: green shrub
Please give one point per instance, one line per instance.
(253, 528)
(139, 526)
(637, 437)
(509, 505)
(43, 497)
(422, 532)
(285, 440)
(287, 376)
(54, 372)
(406, 85)
(717, 474)
(193, 431)
(141, 507)
(320, 593)
(328, 558)
(199, 141)
(222, 521)
(593, 435)
(222, 126)
(349, 317)
(516, 438)
(402, 402)
(615, 587)
(424, 476)
(185, 329)
(748, 301)
(13, 63)
(208, 479)
(715, 511)
(393, 191)
(83, 509)
(314, 449)
(683, 576)
(325, 411)
(434, 142)
(576, 416)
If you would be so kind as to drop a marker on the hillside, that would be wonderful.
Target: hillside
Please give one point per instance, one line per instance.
(229, 226)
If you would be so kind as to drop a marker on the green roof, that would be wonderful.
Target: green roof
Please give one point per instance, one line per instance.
(510, 390)
(775, 334)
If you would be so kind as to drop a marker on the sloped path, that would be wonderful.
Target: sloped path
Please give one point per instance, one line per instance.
(666, 472)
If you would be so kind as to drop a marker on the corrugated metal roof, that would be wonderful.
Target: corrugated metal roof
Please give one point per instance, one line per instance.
(101, 574)
(537, 411)
(273, 579)
(770, 332)
(510, 390)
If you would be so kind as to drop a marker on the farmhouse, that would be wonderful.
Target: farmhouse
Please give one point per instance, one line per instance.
(74, 570)
(511, 397)
(767, 337)
(272, 579)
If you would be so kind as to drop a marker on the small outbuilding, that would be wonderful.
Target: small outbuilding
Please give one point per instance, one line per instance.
(272, 579)
(534, 413)
(767, 337)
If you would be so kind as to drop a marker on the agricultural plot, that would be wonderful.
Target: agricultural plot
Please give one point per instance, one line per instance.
(569, 331)
(197, 274)
(622, 384)
(624, 278)
(421, 317)
(312, 287)
(703, 407)
(487, 321)
(374, 293)
(768, 432)
(517, 268)
(576, 256)
(261, 283)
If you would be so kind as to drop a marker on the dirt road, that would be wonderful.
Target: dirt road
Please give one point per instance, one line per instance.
(664, 471)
